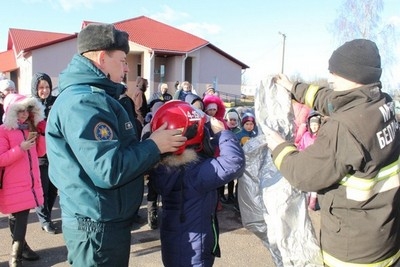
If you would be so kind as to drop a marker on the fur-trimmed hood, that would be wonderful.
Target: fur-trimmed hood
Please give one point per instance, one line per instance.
(49, 101)
(208, 99)
(15, 102)
(37, 77)
(189, 155)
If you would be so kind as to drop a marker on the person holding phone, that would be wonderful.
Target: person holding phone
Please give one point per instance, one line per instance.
(21, 188)
(32, 135)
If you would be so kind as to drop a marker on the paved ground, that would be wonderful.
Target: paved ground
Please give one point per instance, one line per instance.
(239, 247)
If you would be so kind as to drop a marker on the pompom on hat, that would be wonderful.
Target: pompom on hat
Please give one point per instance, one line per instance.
(358, 61)
(95, 37)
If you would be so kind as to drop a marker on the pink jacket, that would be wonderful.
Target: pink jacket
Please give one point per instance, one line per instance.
(208, 99)
(19, 169)
(306, 140)
(301, 112)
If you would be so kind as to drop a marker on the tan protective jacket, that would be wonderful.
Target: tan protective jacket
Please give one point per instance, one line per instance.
(354, 166)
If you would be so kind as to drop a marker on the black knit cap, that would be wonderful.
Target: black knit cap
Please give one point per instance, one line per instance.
(358, 61)
(95, 37)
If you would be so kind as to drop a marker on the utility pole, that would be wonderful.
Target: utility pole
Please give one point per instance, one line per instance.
(283, 50)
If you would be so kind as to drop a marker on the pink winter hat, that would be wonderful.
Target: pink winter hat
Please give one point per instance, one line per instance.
(15, 102)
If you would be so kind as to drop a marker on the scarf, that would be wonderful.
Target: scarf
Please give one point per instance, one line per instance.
(23, 126)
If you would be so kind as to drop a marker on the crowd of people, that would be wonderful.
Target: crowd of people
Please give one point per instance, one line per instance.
(97, 156)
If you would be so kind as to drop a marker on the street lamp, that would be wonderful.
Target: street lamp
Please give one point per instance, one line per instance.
(283, 50)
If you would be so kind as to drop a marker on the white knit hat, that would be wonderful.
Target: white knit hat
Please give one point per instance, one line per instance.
(5, 84)
(212, 106)
(232, 115)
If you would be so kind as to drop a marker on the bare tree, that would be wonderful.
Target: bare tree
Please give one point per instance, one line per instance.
(362, 19)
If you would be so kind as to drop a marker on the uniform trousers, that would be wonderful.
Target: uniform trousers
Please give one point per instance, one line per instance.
(91, 243)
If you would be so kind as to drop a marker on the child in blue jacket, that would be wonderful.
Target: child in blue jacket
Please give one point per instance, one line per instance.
(188, 180)
(249, 128)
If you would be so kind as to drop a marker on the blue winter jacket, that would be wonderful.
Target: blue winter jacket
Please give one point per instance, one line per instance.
(244, 135)
(188, 186)
(95, 158)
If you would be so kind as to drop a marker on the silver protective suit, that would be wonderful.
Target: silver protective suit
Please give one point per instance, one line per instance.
(270, 207)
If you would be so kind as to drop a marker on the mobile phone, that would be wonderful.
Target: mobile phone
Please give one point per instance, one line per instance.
(32, 135)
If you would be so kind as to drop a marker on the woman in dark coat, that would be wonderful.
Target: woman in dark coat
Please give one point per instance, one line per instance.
(41, 89)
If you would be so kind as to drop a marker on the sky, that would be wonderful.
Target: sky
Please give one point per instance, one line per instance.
(252, 31)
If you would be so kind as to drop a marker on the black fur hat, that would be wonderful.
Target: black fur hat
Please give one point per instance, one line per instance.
(95, 37)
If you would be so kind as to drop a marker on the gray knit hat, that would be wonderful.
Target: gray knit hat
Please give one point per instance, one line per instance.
(358, 61)
(95, 37)
(6, 84)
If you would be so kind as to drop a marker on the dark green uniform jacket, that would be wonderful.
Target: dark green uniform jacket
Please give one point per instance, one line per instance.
(96, 159)
(354, 166)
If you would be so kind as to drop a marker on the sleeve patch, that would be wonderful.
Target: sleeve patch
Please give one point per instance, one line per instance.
(128, 125)
(103, 132)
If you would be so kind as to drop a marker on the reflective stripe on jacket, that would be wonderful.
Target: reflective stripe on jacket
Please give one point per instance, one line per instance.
(360, 189)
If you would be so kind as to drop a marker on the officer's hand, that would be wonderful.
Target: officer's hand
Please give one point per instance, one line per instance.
(167, 140)
(283, 81)
(273, 138)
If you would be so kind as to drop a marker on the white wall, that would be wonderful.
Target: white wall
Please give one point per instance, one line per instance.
(51, 60)
(212, 66)
(208, 66)
(54, 58)
(25, 74)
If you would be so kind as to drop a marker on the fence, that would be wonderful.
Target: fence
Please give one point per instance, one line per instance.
(236, 100)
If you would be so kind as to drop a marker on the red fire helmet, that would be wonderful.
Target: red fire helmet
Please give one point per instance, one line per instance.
(182, 116)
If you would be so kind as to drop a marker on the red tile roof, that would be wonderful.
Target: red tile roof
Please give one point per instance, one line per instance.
(8, 62)
(159, 36)
(28, 39)
(164, 39)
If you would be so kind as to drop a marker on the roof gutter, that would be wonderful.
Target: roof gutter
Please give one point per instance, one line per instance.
(183, 66)
(151, 74)
(20, 53)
